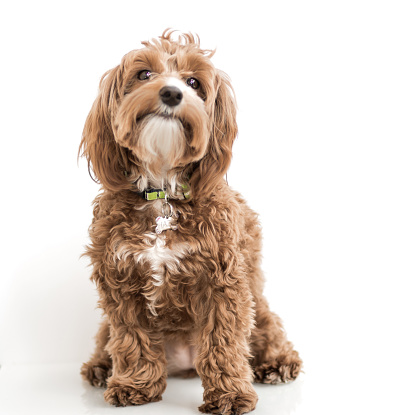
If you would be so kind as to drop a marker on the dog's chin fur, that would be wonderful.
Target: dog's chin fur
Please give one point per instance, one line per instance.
(187, 301)
(161, 144)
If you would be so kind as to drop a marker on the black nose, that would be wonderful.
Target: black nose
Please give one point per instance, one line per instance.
(171, 95)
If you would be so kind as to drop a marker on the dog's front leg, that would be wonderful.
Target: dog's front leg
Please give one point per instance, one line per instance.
(139, 363)
(225, 320)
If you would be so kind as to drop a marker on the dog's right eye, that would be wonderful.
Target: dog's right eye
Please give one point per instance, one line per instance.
(143, 75)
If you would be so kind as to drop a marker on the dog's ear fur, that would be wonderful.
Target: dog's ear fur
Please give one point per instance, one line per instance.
(211, 169)
(108, 160)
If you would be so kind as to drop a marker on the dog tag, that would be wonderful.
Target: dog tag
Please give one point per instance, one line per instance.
(164, 223)
(167, 221)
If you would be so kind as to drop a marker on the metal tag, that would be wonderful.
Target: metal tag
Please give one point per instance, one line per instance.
(164, 223)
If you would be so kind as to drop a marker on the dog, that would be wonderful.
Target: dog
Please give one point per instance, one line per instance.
(175, 252)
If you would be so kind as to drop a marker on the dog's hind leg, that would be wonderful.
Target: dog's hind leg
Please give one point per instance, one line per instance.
(274, 359)
(99, 367)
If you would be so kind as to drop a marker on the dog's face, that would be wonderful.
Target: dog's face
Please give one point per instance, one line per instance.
(165, 112)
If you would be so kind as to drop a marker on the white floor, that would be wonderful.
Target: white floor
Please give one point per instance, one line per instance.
(58, 389)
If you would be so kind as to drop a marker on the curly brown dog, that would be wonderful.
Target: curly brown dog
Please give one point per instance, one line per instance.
(176, 252)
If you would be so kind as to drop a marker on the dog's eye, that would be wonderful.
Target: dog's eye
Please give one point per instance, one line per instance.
(193, 82)
(143, 75)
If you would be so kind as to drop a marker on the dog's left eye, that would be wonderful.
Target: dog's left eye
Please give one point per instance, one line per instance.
(193, 82)
(143, 75)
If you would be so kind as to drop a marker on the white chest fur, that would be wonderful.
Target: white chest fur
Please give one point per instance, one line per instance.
(160, 257)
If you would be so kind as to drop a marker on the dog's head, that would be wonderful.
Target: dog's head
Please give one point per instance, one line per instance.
(163, 115)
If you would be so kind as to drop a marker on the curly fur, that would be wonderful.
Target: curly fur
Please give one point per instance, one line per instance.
(188, 301)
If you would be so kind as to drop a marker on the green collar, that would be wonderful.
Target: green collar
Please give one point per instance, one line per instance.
(154, 194)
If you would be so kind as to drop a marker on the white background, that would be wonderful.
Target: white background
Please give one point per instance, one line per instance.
(325, 154)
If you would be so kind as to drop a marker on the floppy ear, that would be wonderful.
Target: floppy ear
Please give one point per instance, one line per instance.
(213, 166)
(109, 161)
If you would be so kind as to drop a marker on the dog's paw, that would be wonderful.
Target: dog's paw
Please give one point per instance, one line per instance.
(281, 370)
(122, 395)
(231, 403)
(96, 373)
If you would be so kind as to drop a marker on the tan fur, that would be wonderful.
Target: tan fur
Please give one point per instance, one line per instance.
(188, 300)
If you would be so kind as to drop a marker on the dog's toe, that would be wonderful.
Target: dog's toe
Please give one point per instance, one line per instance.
(230, 403)
(96, 373)
(278, 371)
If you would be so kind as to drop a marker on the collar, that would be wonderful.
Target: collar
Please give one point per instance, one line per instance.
(154, 194)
